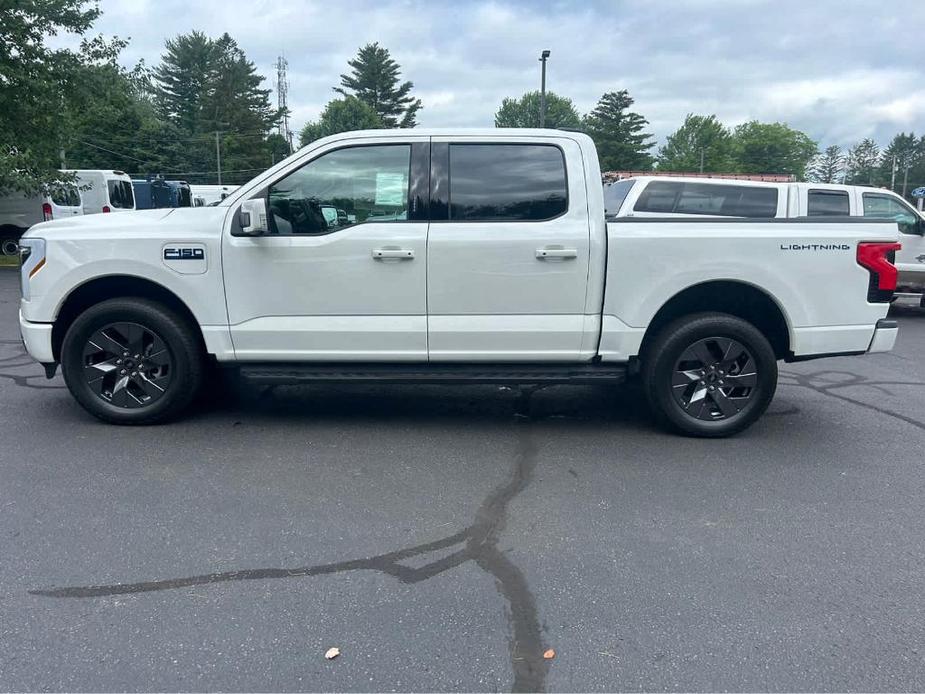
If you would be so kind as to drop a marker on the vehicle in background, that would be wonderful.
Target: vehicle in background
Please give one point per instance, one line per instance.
(18, 212)
(105, 191)
(206, 195)
(664, 196)
(480, 256)
(157, 193)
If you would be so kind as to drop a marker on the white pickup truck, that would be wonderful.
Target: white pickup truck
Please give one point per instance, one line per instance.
(460, 257)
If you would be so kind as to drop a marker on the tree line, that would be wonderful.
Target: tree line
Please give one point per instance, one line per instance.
(82, 109)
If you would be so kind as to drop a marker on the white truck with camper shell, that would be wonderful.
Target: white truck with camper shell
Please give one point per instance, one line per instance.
(461, 257)
(682, 196)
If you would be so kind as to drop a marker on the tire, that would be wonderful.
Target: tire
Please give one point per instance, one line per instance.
(154, 378)
(709, 375)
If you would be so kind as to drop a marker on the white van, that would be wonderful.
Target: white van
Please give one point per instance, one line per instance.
(680, 196)
(18, 212)
(105, 191)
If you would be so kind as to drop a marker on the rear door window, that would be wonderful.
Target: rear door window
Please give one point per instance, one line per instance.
(120, 194)
(506, 183)
(827, 203)
(718, 200)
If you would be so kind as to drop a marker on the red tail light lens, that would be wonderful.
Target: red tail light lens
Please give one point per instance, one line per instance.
(106, 208)
(46, 211)
(877, 259)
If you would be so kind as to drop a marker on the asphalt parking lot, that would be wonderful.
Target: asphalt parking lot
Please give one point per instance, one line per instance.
(444, 538)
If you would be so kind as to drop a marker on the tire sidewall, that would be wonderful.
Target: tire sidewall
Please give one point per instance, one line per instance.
(142, 313)
(682, 334)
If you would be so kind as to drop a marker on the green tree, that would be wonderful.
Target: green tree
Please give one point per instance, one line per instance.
(339, 116)
(703, 143)
(622, 143)
(525, 112)
(203, 86)
(863, 163)
(39, 85)
(904, 153)
(829, 166)
(772, 148)
(375, 80)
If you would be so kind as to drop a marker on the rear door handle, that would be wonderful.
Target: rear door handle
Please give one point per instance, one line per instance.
(393, 254)
(556, 252)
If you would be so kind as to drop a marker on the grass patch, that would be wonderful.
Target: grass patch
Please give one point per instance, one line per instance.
(8, 261)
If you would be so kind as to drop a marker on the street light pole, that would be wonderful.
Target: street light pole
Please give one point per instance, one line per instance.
(543, 56)
(218, 157)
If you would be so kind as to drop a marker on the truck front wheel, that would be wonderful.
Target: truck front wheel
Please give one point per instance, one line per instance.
(132, 361)
(709, 374)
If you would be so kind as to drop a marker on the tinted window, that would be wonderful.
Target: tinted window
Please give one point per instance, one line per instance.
(366, 184)
(614, 195)
(507, 182)
(888, 207)
(120, 194)
(65, 195)
(679, 197)
(827, 203)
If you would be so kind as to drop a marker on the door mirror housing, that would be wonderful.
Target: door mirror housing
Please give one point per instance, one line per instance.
(252, 218)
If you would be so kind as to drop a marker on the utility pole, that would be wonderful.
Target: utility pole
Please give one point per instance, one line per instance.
(701, 160)
(218, 156)
(905, 178)
(543, 56)
(893, 176)
(61, 154)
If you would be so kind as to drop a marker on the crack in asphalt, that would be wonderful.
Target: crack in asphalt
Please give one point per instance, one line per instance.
(822, 382)
(477, 543)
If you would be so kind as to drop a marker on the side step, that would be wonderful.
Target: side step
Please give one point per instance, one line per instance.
(446, 374)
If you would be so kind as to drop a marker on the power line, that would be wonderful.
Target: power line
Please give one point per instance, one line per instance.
(118, 154)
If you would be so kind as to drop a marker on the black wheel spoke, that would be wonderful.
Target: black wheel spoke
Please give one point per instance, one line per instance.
(714, 378)
(127, 365)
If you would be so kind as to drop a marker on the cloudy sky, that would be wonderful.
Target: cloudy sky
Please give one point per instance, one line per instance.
(840, 70)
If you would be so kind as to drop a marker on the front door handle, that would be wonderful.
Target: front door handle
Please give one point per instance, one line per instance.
(556, 252)
(393, 254)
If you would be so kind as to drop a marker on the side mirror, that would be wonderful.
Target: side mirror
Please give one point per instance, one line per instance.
(253, 217)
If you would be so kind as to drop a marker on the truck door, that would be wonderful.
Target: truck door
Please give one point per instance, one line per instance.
(344, 288)
(910, 259)
(508, 250)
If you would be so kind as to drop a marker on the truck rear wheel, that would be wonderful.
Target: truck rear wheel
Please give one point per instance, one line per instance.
(132, 361)
(709, 374)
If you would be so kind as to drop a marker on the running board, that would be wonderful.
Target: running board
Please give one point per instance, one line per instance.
(446, 374)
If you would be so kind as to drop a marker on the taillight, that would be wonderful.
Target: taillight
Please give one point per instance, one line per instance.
(877, 259)
(106, 208)
(46, 211)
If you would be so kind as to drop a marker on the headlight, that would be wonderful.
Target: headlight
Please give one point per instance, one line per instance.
(31, 260)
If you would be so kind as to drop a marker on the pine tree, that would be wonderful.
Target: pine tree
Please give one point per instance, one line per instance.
(184, 78)
(902, 153)
(829, 166)
(341, 115)
(622, 144)
(863, 160)
(375, 81)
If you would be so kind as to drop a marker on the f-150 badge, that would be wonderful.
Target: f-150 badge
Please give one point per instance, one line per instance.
(171, 253)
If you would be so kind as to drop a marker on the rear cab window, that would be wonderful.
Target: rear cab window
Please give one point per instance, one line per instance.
(827, 203)
(615, 195)
(506, 182)
(709, 199)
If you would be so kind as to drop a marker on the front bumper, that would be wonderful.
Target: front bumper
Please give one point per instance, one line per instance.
(37, 339)
(884, 335)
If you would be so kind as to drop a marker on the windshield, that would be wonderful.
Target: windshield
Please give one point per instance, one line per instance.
(120, 194)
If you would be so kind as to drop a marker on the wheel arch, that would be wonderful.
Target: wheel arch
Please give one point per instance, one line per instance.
(100, 289)
(735, 297)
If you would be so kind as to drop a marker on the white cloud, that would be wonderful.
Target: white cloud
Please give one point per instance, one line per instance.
(840, 71)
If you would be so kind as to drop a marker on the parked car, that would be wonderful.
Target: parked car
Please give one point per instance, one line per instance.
(664, 196)
(476, 256)
(205, 195)
(18, 212)
(158, 193)
(105, 191)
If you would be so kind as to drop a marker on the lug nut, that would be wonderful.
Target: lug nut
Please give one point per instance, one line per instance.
(118, 361)
(122, 372)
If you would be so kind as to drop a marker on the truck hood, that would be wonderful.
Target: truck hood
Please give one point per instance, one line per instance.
(124, 224)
